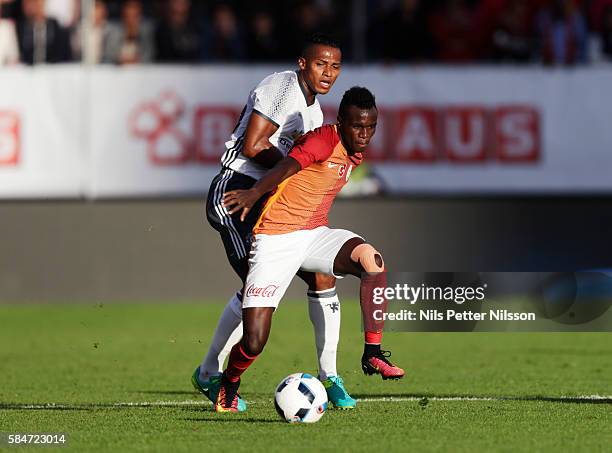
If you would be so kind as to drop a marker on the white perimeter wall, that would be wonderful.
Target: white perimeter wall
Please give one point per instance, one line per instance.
(155, 131)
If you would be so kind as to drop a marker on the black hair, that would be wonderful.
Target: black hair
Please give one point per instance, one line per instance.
(360, 97)
(319, 39)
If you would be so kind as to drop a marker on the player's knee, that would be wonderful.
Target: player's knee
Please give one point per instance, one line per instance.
(323, 282)
(368, 258)
(253, 344)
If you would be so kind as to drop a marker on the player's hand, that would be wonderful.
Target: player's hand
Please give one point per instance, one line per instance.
(236, 200)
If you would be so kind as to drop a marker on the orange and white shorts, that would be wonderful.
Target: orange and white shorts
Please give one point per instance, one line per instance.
(275, 258)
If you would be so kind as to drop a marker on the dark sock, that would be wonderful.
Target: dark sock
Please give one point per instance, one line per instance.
(370, 350)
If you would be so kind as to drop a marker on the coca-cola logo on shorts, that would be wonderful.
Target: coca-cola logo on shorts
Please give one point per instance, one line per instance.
(261, 291)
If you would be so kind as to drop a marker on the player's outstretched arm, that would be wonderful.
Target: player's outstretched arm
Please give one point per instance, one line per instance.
(236, 200)
(257, 144)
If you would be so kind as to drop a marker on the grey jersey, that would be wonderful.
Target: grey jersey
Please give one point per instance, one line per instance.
(280, 99)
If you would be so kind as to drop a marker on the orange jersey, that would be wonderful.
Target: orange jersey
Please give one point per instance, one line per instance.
(303, 201)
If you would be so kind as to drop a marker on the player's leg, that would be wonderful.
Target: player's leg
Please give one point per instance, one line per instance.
(356, 257)
(229, 327)
(227, 333)
(273, 262)
(235, 236)
(342, 252)
(256, 325)
(324, 313)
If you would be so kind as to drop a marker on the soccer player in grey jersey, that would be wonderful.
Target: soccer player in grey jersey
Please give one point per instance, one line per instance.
(279, 110)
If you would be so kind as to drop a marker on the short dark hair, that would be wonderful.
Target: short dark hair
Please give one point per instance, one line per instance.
(360, 97)
(319, 39)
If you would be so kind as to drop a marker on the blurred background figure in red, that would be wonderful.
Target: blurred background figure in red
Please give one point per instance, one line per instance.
(512, 37)
(454, 33)
(601, 37)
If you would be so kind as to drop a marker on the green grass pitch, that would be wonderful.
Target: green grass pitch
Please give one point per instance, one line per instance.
(115, 377)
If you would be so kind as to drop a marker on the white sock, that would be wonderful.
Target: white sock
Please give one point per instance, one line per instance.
(324, 311)
(227, 334)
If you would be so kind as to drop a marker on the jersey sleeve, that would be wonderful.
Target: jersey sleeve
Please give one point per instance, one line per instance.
(275, 99)
(310, 148)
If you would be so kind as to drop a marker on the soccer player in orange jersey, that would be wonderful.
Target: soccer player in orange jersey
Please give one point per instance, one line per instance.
(292, 234)
(278, 110)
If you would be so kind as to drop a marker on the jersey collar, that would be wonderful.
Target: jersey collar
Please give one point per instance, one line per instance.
(297, 71)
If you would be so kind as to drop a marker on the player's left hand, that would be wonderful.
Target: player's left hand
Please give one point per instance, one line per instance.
(236, 200)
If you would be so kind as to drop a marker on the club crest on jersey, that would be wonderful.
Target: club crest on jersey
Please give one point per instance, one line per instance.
(343, 169)
(261, 291)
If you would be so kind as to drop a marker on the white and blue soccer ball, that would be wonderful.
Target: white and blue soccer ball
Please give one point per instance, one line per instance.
(300, 398)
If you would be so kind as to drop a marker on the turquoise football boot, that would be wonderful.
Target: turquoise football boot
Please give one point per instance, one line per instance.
(210, 387)
(337, 394)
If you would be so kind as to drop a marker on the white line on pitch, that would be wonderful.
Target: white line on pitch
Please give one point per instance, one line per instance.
(393, 399)
(361, 400)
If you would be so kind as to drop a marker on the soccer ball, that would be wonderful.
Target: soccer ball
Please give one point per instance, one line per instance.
(300, 398)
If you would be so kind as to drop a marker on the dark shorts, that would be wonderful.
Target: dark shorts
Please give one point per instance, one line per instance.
(235, 234)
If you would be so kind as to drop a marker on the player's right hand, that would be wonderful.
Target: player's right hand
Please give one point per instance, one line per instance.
(236, 200)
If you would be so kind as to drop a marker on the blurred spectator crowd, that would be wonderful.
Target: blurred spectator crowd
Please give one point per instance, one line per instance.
(554, 32)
